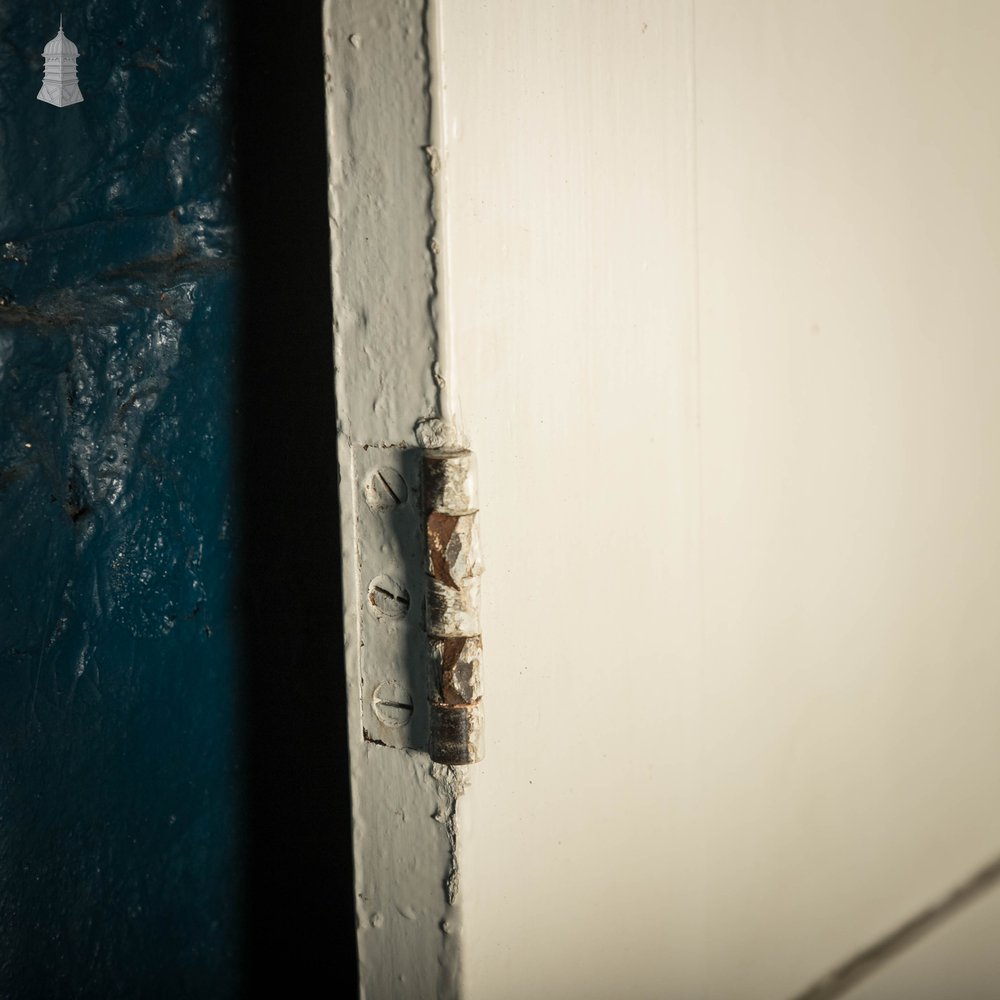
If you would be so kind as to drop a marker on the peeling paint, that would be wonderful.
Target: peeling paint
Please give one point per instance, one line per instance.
(436, 432)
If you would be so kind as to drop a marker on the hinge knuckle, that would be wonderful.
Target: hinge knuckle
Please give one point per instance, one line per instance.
(454, 565)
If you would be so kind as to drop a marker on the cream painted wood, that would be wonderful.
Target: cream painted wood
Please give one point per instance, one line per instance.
(848, 203)
(725, 301)
(573, 304)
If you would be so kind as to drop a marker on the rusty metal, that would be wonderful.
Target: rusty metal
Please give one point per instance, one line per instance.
(455, 676)
(451, 605)
(449, 481)
(457, 733)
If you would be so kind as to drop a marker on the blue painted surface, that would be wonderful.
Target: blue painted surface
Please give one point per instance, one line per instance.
(118, 711)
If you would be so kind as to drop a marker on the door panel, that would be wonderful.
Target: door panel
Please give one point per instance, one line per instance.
(725, 306)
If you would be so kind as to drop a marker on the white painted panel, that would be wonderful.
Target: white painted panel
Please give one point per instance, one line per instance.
(722, 789)
(848, 200)
(573, 311)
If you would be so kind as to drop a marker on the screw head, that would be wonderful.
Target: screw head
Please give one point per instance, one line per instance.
(385, 490)
(387, 598)
(393, 704)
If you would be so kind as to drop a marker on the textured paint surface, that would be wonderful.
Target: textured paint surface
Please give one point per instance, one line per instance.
(742, 612)
(117, 867)
(385, 346)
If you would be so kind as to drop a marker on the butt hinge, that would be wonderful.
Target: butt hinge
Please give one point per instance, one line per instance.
(451, 605)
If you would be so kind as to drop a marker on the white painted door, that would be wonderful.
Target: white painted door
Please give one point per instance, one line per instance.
(726, 318)
(727, 307)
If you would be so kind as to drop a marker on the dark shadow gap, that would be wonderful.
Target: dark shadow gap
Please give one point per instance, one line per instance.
(298, 912)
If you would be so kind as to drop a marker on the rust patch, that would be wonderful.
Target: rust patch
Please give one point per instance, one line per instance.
(451, 671)
(452, 650)
(456, 734)
(440, 528)
(455, 670)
